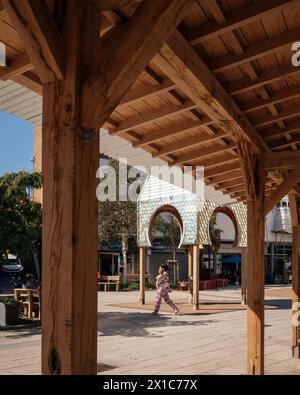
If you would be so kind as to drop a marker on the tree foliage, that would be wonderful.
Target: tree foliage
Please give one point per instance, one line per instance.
(20, 217)
(215, 235)
(117, 219)
(168, 230)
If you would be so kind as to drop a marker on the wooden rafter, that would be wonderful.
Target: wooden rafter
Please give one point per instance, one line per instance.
(33, 22)
(236, 19)
(231, 175)
(214, 162)
(226, 168)
(190, 142)
(18, 65)
(284, 142)
(289, 93)
(203, 153)
(283, 189)
(255, 51)
(231, 183)
(106, 5)
(146, 92)
(151, 116)
(293, 126)
(29, 81)
(182, 64)
(284, 114)
(126, 50)
(159, 134)
(264, 78)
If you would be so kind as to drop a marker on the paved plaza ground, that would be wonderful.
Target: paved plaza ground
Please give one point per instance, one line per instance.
(132, 341)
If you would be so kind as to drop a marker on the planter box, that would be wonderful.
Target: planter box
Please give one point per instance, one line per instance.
(12, 314)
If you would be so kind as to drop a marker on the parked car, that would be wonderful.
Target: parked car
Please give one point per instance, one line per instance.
(12, 265)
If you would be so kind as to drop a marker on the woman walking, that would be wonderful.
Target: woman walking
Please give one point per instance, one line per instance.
(163, 289)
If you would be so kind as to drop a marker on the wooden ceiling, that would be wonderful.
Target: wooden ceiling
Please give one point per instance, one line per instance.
(226, 72)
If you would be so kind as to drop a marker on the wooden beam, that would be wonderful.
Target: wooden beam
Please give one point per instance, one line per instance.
(189, 142)
(70, 217)
(224, 169)
(18, 65)
(255, 51)
(294, 209)
(29, 81)
(203, 153)
(142, 275)
(2, 11)
(283, 159)
(236, 19)
(291, 127)
(233, 189)
(231, 183)
(159, 134)
(151, 116)
(282, 115)
(125, 52)
(282, 190)
(33, 22)
(182, 64)
(231, 175)
(289, 93)
(255, 270)
(106, 5)
(216, 161)
(284, 142)
(146, 92)
(264, 78)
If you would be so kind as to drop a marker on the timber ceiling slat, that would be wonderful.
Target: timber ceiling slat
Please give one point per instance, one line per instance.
(246, 44)
(152, 116)
(236, 19)
(178, 128)
(254, 52)
(190, 142)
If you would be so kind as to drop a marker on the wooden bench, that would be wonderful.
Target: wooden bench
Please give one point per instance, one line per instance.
(136, 277)
(26, 298)
(107, 281)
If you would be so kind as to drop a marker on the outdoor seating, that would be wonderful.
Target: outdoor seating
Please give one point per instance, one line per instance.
(108, 281)
(136, 277)
(30, 300)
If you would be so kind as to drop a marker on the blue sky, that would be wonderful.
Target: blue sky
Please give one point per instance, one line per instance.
(16, 144)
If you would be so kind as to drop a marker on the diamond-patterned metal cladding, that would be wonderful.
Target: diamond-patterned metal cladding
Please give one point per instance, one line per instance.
(195, 213)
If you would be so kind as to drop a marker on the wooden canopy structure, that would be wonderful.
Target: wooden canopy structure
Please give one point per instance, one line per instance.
(194, 82)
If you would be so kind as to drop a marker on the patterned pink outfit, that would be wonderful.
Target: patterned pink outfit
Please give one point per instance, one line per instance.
(163, 288)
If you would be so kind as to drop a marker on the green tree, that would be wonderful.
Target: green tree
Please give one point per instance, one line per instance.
(168, 230)
(118, 219)
(20, 217)
(215, 238)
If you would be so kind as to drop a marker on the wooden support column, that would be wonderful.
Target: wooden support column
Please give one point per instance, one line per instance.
(195, 251)
(294, 206)
(142, 275)
(244, 275)
(255, 266)
(70, 213)
(190, 261)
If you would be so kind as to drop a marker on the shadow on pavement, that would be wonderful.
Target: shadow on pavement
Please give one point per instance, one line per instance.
(139, 324)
